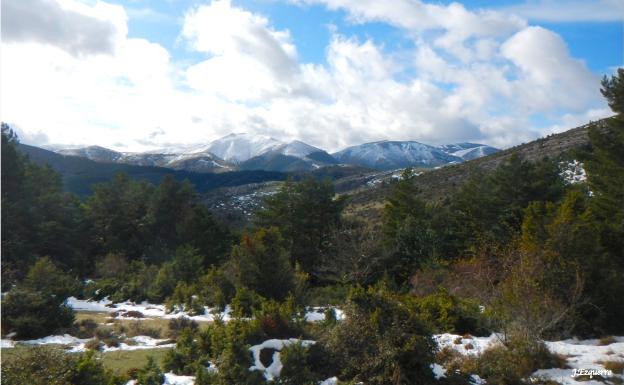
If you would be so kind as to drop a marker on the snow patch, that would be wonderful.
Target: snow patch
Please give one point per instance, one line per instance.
(273, 371)
(572, 172)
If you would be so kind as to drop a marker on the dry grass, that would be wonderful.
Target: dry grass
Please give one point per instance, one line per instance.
(616, 367)
(608, 340)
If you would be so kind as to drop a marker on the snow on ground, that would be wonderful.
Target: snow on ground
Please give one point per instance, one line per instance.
(583, 355)
(580, 354)
(147, 309)
(173, 379)
(313, 314)
(316, 314)
(438, 371)
(273, 370)
(78, 344)
(572, 172)
(467, 346)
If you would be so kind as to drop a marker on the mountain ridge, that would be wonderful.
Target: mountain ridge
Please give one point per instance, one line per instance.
(259, 152)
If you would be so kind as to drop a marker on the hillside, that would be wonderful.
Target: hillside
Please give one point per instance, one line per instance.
(438, 183)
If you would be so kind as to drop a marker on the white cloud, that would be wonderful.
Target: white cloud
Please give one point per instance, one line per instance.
(74, 27)
(481, 76)
(569, 10)
(249, 59)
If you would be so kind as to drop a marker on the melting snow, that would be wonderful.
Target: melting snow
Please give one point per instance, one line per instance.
(273, 370)
(580, 354)
(572, 172)
(147, 309)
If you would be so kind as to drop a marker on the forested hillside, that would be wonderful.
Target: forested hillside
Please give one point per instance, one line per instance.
(514, 249)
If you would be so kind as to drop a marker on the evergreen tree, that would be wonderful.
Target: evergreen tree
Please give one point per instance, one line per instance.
(408, 235)
(306, 213)
(261, 263)
(38, 217)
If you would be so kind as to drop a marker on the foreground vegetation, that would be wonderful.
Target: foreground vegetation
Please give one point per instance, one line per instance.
(517, 251)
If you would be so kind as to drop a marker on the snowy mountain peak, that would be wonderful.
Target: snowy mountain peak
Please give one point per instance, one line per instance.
(298, 149)
(241, 147)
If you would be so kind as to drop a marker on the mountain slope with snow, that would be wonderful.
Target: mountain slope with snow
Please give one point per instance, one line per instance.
(237, 148)
(259, 152)
(389, 155)
(468, 151)
(190, 161)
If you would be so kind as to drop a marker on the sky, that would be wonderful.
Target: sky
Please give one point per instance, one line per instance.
(135, 75)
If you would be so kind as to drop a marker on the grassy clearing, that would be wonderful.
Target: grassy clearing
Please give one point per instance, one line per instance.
(119, 361)
(122, 361)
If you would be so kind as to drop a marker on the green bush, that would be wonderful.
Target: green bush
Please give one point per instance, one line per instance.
(246, 302)
(150, 374)
(450, 314)
(34, 314)
(511, 364)
(186, 355)
(52, 366)
(381, 341)
(296, 366)
(215, 288)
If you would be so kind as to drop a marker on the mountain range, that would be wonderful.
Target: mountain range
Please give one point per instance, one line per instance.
(257, 152)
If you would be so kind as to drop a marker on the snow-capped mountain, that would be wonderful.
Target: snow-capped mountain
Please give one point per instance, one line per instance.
(389, 155)
(237, 148)
(190, 161)
(258, 152)
(96, 153)
(468, 151)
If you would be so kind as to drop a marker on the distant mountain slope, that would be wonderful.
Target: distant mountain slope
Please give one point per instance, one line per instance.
(389, 155)
(232, 152)
(177, 159)
(290, 157)
(468, 151)
(237, 148)
(80, 173)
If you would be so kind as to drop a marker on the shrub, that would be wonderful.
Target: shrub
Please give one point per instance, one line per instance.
(94, 344)
(245, 302)
(138, 328)
(33, 314)
(150, 374)
(52, 366)
(85, 328)
(381, 341)
(296, 368)
(107, 335)
(36, 307)
(215, 288)
(509, 365)
(185, 356)
(450, 314)
(177, 325)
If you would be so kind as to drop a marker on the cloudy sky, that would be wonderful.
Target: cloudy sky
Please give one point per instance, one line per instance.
(137, 74)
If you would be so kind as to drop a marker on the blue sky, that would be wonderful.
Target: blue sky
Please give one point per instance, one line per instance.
(138, 74)
(599, 43)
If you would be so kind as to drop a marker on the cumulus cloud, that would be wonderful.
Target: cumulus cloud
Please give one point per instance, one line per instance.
(249, 60)
(70, 26)
(473, 75)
